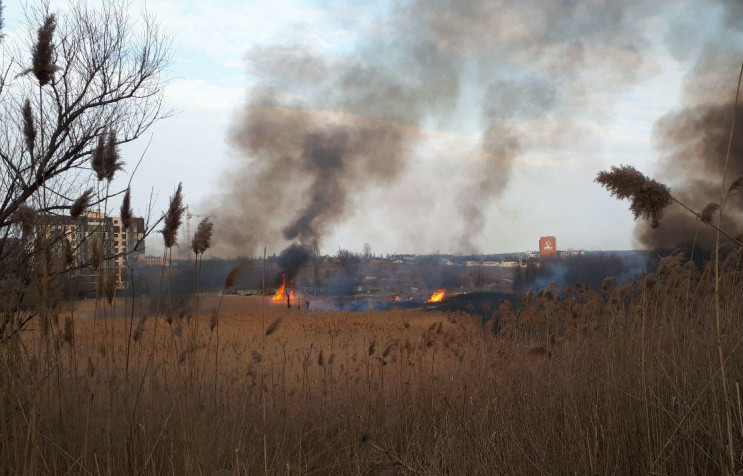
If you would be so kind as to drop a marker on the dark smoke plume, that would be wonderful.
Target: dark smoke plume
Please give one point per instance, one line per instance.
(322, 132)
(291, 260)
(307, 169)
(693, 141)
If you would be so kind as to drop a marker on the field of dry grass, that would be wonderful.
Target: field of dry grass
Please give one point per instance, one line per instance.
(622, 380)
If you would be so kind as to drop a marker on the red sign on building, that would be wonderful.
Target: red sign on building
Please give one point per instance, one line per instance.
(547, 246)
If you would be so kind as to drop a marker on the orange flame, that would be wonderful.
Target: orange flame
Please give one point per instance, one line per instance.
(281, 293)
(397, 298)
(438, 296)
(280, 297)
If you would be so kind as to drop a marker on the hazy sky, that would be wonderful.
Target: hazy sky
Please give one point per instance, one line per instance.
(603, 113)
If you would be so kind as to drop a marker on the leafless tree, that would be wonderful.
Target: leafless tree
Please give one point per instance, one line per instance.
(77, 85)
(104, 80)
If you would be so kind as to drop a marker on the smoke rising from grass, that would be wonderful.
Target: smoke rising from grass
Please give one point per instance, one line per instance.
(694, 142)
(325, 128)
(290, 261)
(305, 172)
(507, 103)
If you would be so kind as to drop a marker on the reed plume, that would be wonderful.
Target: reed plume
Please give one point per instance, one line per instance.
(736, 185)
(708, 213)
(25, 217)
(607, 283)
(273, 327)
(229, 282)
(200, 243)
(126, 211)
(105, 160)
(97, 158)
(82, 203)
(173, 218)
(42, 59)
(96, 255)
(203, 237)
(213, 320)
(231, 279)
(29, 127)
(68, 335)
(112, 281)
(111, 157)
(648, 198)
(68, 253)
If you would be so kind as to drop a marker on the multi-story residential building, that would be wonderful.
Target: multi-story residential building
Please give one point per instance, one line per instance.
(96, 233)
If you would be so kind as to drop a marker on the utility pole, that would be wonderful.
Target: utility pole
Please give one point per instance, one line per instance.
(263, 299)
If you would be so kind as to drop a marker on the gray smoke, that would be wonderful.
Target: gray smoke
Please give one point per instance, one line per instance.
(323, 130)
(306, 168)
(693, 140)
(507, 103)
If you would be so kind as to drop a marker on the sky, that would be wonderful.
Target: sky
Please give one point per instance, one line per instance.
(227, 54)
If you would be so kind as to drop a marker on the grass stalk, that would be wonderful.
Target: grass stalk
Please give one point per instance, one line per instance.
(718, 331)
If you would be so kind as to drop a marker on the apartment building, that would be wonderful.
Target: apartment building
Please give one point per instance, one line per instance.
(94, 233)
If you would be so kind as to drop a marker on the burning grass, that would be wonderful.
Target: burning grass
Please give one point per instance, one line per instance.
(437, 296)
(288, 295)
(620, 380)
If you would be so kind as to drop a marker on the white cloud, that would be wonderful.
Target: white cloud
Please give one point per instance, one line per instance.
(223, 31)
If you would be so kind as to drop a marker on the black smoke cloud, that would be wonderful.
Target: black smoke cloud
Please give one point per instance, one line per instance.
(307, 169)
(321, 131)
(693, 140)
(290, 261)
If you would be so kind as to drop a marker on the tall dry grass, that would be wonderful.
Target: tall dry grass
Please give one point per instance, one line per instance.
(621, 380)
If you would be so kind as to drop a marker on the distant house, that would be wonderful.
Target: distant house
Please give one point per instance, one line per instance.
(402, 257)
(508, 264)
(154, 260)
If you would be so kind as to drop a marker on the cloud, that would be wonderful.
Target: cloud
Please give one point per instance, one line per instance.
(223, 30)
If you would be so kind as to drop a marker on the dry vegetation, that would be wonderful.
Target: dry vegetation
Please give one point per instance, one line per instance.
(620, 380)
(632, 378)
